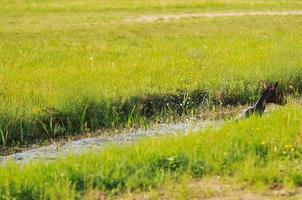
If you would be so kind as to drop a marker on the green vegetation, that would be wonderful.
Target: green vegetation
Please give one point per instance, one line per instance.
(73, 66)
(264, 150)
(64, 69)
(126, 6)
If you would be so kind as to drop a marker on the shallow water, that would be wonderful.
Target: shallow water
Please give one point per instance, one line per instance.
(51, 152)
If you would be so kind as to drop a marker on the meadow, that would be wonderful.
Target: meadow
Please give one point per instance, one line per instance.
(69, 67)
(264, 151)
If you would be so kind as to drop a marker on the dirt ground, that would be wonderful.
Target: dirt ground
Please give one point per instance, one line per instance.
(216, 188)
(168, 17)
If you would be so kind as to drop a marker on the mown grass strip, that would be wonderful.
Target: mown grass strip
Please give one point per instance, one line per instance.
(260, 149)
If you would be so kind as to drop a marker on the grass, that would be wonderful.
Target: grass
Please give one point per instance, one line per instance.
(265, 150)
(47, 6)
(61, 72)
(68, 67)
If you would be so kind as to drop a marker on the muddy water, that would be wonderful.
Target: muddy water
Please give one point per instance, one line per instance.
(51, 152)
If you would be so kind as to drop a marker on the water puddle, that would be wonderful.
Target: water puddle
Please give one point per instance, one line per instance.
(51, 152)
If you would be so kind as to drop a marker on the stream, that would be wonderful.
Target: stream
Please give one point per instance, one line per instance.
(52, 151)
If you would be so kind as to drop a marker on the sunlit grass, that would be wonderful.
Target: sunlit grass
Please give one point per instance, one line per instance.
(65, 6)
(64, 61)
(263, 150)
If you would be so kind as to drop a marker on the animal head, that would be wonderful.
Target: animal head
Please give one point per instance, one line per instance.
(273, 95)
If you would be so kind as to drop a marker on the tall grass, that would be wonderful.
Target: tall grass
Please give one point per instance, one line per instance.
(60, 73)
(258, 150)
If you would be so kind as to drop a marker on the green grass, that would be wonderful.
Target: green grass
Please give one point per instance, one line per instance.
(265, 150)
(61, 73)
(65, 6)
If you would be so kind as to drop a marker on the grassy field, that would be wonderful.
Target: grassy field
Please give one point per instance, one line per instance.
(65, 6)
(67, 67)
(258, 151)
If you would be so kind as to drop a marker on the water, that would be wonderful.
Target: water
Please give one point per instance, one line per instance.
(51, 152)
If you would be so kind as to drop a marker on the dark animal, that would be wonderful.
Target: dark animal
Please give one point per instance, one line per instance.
(270, 95)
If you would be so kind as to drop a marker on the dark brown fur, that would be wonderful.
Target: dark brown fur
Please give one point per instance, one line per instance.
(270, 95)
